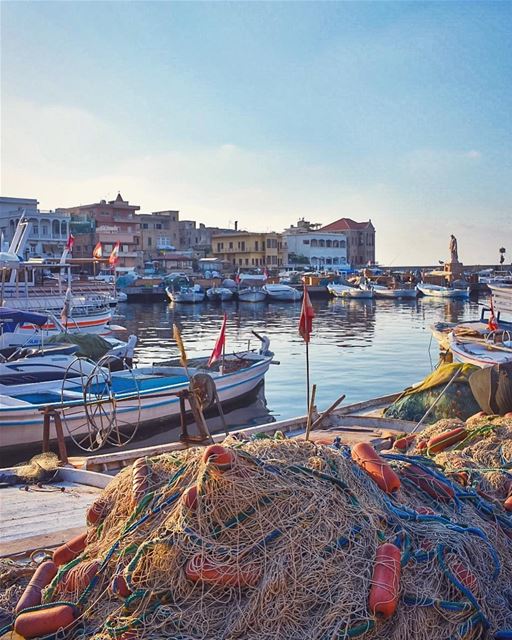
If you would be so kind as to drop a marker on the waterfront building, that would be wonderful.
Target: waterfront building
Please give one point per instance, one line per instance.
(48, 231)
(108, 223)
(360, 238)
(198, 237)
(159, 233)
(244, 249)
(304, 245)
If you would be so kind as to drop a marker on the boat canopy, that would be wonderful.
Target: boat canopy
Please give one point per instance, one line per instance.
(11, 318)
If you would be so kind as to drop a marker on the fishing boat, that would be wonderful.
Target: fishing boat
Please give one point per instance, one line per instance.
(438, 291)
(282, 292)
(382, 291)
(95, 402)
(346, 291)
(219, 294)
(481, 352)
(186, 294)
(502, 299)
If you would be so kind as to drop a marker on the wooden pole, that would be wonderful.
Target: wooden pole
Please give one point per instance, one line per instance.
(307, 376)
(310, 411)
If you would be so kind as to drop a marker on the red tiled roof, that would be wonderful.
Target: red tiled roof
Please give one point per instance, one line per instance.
(344, 224)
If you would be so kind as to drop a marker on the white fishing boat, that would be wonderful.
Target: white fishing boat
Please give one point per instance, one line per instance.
(219, 294)
(438, 291)
(481, 352)
(346, 291)
(186, 294)
(93, 403)
(502, 299)
(282, 292)
(382, 291)
(251, 294)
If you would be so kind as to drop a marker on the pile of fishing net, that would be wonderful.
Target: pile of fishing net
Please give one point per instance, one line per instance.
(280, 539)
(476, 453)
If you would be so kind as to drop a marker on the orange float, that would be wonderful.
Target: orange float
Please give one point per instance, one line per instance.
(199, 569)
(446, 439)
(97, 511)
(70, 549)
(402, 444)
(221, 457)
(424, 481)
(119, 586)
(378, 469)
(33, 624)
(190, 497)
(385, 581)
(42, 577)
(79, 577)
(464, 575)
(140, 476)
(508, 504)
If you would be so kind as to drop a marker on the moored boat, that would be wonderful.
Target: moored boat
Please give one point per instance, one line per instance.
(481, 352)
(346, 291)
(251, 294)
(219, 294)
(282, 292)
(438, 291)
(382, 291)
(186, 294)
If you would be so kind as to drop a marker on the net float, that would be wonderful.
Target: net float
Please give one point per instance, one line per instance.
(446, 439)
(41, 578)
(402, 444)
(425, 511)
(385, 582)
(464, 575)
(70, 549)
(508, 504)
(199, 569)
(427, 483)
(140, 477)
(97, 511)
(43, 622)
(422, 445)
(222, 457)
(365, 456)
(79, 577)
(119, 586)
(190, 497)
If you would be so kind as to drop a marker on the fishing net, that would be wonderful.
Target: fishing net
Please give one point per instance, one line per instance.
(277, 539)
(40, 468)
(481, 459)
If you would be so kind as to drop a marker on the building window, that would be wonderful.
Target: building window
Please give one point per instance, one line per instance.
(342, 244)
(243, 245)
(44, 230)
(231, 245)
(314, 243)
(63, 229)
(158, 225)
(246, 261)
(149, 242)
(328, 243)
(240, 261)
(55, 229)
(305, 242)
(256, 245)
(321, 243)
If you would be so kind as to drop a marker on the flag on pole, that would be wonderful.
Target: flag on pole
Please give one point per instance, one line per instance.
(237, 277)
(114, 256)
(179, 341)
(306, 317)
(219, 344)
(492, 325)
(70, 242)
(66, 309)
(265, 273)
(97, 252)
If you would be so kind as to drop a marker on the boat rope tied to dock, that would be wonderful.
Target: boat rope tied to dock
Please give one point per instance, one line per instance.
(284, 539)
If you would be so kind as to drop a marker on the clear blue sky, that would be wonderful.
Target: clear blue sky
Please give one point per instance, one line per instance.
(266, 112)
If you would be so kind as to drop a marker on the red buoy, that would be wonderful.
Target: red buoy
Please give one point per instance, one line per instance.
(446, 439)
(140, 480)
(97, 511)
(199, 569)
(402, 444)
(190, 497)
(79, 577)
(42, 577)
(43, 622)
(221, 457)
(385, 581)
(378, 469)
(70, 549)
(119, 586)
(424, 481)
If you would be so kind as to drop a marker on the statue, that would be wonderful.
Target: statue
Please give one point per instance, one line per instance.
(454, 257)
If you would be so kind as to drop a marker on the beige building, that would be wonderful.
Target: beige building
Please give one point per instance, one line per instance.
(247, 250)
(159, 232)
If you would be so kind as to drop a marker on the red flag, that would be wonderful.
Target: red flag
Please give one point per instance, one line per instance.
(306, 316)
(114, 256)
(237, 277)
(220, 344)
(492, 325)
(70, 242)
(97, 252)
(265, 273)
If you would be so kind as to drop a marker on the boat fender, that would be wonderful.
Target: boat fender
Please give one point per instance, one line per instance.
(442, 441)
(365, 456)
(402, 444)
(70, 549)
(220, 457)
(140, 478)
(199, 569)
(41, 578)
(79, 577)
(119, 586)
(190, 497)
(427, 483)
(43, 622)
(385, 582)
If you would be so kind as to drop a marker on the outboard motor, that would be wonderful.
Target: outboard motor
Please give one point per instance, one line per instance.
(265, 344)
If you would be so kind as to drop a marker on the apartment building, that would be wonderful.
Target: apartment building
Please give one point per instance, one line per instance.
(244, 249)
(304, 244)
(159, 233)
(360, 238)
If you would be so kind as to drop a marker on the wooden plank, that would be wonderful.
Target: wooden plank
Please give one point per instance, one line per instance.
(42, 541)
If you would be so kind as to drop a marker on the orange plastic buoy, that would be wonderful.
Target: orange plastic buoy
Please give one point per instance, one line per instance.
(119, 586)
(190, 497)
(42, 577)
(428, 483)
(425, 511)
(378, 469)
(477, 416)
(461, 477)
(508, 504)
(79, 577)
(33, 624)
(385, 581)
(97, 511)
(199, 569)
(222, 457)
(508, 414)
(464, 575)
(140, 476)
(402, 444)
(446, 439)
(70, 549)
(422, 444)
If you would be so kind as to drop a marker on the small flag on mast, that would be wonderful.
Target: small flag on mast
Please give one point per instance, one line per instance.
(492, 324)
(179, 341)
(70, 242)
(97, 253)
(306, 317)
(114, 256)
(219, 344)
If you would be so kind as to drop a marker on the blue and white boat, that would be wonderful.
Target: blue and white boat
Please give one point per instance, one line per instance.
(86, 399)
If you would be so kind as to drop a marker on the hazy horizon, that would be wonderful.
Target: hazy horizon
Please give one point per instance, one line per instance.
(265, 113)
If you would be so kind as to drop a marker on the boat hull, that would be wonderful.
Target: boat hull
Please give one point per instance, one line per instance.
(442, 292)
(253, 295)
(282, 293)
(408, 294)
(218, 294)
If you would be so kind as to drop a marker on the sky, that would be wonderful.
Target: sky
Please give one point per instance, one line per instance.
(267, 112)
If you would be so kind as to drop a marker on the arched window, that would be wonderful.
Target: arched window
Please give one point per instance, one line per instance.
(335, 260)
(63, 229)
(328, 243)
(343, 244)
(314, 243)
(335, 244)
(321, 243)
(34, 227)
(11, 226)
(55, 228)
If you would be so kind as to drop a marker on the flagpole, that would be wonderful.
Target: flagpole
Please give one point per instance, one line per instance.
(307, 376)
